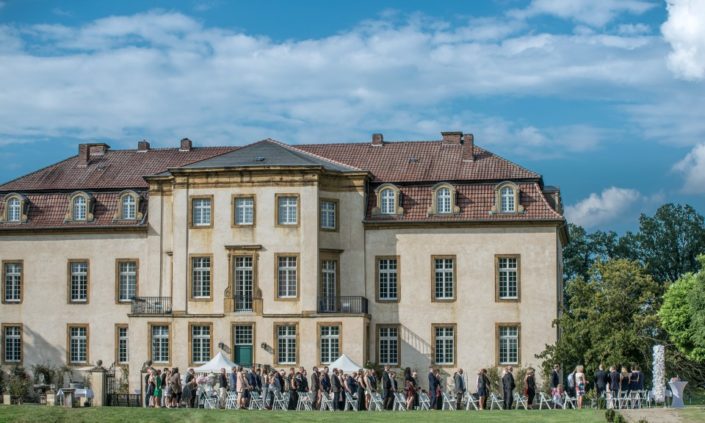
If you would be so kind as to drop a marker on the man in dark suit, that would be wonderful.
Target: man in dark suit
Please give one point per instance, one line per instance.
(337, 389)
(613, 379)
(508, 388)
(432, 385)
(387, 394)
(556, 376)
(459, 383)
(601, 380)
(315, 388)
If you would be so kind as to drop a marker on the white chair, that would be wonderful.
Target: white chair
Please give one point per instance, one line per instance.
(471, 401)
(624, 400)
(376, 402)
(350, 402)
(231, 402)
(448, 402)
(520, 401)
(256, 401)
(568, 401)
(424, 401)
(327, 402)
(281, 402)
(544, 401)
(399, 402)
(495, 401)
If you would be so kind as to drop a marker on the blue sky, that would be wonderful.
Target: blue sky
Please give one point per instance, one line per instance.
(605, 98)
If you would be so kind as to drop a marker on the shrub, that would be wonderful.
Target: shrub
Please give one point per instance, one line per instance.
(609, 415)
(19, 385)
(642, 421)
(618, 418)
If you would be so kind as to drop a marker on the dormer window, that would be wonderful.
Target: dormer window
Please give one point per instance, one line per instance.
(388, 200)
(15, 209)
(80, 208)
(128, 206)
(507, 199)
(443, 200)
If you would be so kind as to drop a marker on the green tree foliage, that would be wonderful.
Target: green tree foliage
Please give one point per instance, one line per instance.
(683, 314)
(610, 318)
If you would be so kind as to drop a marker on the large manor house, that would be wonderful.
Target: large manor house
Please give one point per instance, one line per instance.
(407, 253)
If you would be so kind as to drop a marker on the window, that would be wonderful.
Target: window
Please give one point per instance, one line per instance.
(80, 208)
(444, 278)
(443, 203)
(330, 343)
(329, 215)
(12, 345)
(243, 344)
(78, 281)
(201, 212)
(159, 344)
(121, 345)
(129, 207)
(200, 277)
(389, 201)
(507, 278)
(12, 282)
(387, 279)
(244, 211)
(14, 210)
(127, 280)
(286, 344)
(329, 286)
(388, 344)
(200, 343)
(243, 283)
(78, 344)
(287, 206)
(287, 269)
(444, 344)
(508, 340)
(507, 200)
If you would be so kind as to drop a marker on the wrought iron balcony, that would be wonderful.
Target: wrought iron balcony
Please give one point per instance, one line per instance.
(347, 305)
(151, 305)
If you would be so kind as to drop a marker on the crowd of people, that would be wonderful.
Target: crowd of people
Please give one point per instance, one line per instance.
(166, 388)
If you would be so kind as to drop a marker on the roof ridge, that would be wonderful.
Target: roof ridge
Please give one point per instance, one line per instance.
(298, 150)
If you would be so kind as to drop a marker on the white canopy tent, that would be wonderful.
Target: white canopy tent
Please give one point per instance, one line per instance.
(345, 364)
(215, 364)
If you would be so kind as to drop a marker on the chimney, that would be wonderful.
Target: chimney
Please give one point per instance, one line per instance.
(186, 145)
(143, 146)
(468, 148)
(454, 137)
(84, 155)
(98, 149)
(377, 139)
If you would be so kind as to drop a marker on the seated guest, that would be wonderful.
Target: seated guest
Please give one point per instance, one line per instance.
(558, 396)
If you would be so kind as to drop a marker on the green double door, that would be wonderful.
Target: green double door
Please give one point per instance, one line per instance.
(244, 345)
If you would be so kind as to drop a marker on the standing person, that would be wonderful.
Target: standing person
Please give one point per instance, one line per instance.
(291, 385)
(242, 385)
(175, 381)
(614, 386)
(530, 387)
(634, 377)
(580, 384)
(361, 386)
(157, 389)
(439, 389)
(459, 383)
(393, 385)
(571, 384)
(148, 388)
(432, 385)
(274, 387)
(624, 379)
(315, 388)
(223, 382)
(258, 380)
(417, 388)
(337, 388)
(508, 386)
(601, 380)
(325, 384)
(387, 395)
(167, 393)
(555, 377)
(370, 386)
(301, 383)
(192, 388)
(232, 380)
(409, 389)
(483, 387)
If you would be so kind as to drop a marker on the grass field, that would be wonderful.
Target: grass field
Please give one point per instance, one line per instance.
(34, 413)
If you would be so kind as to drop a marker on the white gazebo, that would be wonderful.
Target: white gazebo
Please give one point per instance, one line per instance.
(345, 364)
(215, 364)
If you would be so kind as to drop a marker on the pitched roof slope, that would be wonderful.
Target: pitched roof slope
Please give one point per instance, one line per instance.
(270, 153)
(116, 169)
(421, 161)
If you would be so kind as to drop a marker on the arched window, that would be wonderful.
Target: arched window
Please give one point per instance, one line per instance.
(79, 208)
(14, 210)
(129, 207)
(388, 199)
(443, 201)
(507, 198)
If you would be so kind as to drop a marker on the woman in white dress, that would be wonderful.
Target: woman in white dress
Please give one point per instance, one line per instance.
(580, 384)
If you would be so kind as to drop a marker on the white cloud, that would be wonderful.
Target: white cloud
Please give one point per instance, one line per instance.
(592, 12)
(692, 167)
(685, 32)
(597, 209)
(633, 29)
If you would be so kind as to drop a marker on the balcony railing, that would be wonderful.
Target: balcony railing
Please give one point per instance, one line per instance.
(151, 305)
(351, 305)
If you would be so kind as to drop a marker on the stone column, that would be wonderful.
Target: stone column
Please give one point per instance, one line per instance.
(98, 385)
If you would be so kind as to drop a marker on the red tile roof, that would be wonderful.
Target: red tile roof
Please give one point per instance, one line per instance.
(421, 161)
(48, 210)
(116, 169)
(475, 202)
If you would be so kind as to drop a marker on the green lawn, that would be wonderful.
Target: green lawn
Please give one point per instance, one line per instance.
(35, 413)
